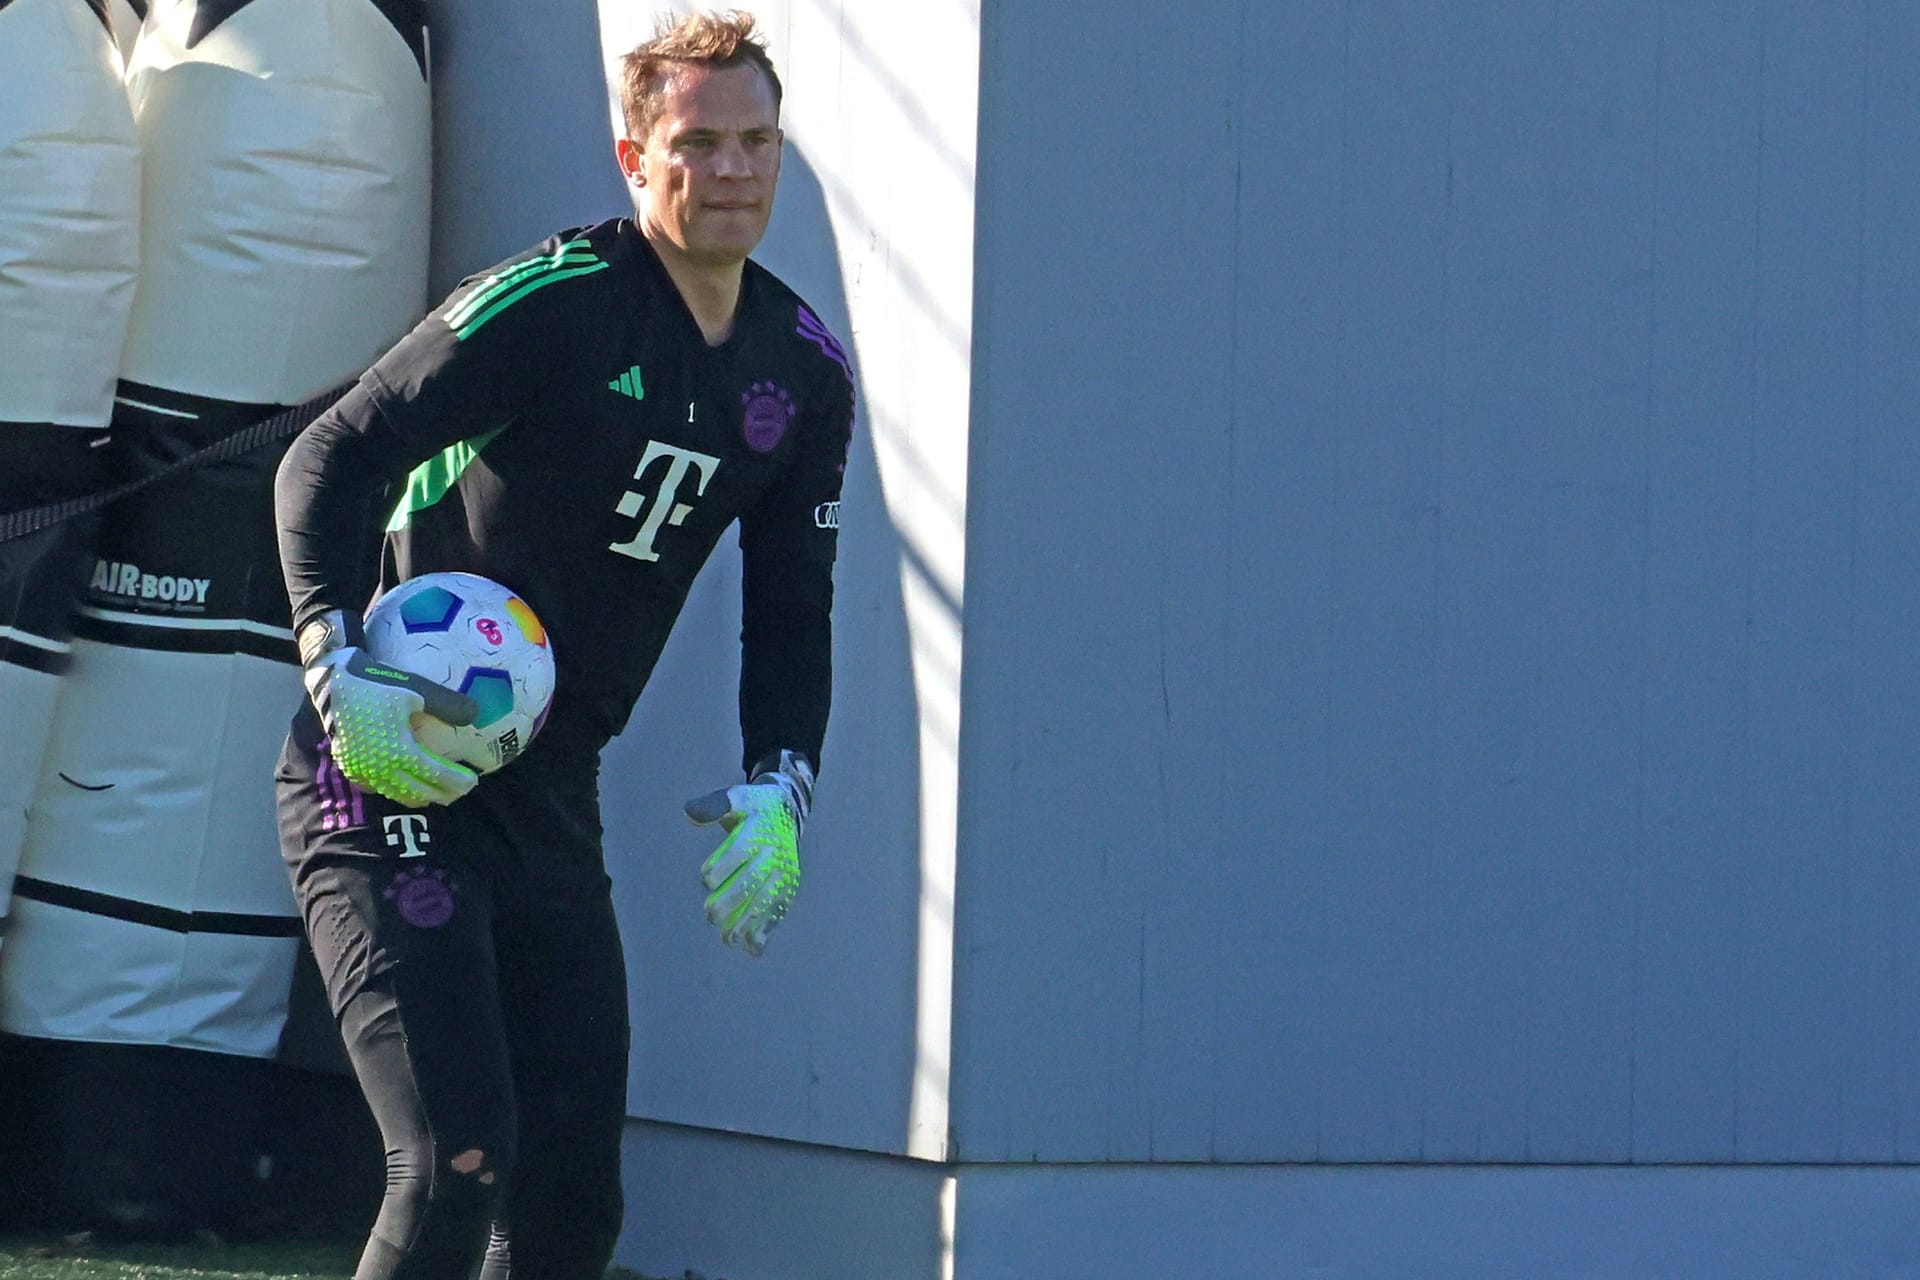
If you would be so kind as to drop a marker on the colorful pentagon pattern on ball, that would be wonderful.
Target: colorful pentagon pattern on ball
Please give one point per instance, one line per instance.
(492, 690)
(523, 617)
(429, 609)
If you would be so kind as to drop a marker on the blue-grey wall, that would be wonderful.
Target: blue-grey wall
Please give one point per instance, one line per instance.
(1442, 557)
(1444, 562)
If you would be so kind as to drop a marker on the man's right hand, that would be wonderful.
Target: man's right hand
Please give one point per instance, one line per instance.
(367, 709)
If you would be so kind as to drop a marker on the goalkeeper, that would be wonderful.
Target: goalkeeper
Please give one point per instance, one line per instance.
(582, 423)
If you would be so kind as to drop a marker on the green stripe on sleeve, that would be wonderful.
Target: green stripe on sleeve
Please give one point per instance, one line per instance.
(494, 286)
(468, 328)
(431, 479)
(569, 254)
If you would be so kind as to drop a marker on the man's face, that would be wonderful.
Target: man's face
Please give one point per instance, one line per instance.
(707, 169)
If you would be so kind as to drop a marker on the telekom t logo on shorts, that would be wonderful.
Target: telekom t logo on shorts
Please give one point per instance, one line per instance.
(662, 506)
(407, 832)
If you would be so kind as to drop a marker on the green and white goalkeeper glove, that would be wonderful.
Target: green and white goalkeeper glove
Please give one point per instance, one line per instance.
(368, 707)
(755, 873)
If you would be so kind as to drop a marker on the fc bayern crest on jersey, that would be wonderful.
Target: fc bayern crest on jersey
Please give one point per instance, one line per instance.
(766, 410)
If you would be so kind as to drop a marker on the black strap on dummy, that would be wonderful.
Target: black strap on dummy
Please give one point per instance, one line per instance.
(284, 425)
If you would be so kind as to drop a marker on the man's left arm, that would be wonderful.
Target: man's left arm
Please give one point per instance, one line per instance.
(788, 544)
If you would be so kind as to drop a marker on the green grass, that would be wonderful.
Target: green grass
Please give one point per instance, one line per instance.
(81, 1258)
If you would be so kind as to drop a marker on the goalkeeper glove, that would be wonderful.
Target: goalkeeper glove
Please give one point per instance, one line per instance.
(755, 873)
(367, 708)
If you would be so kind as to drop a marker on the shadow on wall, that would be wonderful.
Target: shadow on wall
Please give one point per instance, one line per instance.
(831, 1053)
(520, 144)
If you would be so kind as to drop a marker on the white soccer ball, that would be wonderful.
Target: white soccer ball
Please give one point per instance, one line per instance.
(472, 634)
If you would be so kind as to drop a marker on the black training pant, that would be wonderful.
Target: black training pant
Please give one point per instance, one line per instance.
(471, 955)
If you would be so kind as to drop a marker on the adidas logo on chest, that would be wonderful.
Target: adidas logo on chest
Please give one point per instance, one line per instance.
(629, 384)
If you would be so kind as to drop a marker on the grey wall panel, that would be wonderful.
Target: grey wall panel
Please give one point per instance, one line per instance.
(1490, 479)
(1583, 764)
(1883, 807)
(1694, 611)
(1383, 740)
(1440, 733)
(1281, 569)
(1372, 1223)
(520, 141)
(703, 1203)
(1805, 949)
(1103, 443)
(818, 1214)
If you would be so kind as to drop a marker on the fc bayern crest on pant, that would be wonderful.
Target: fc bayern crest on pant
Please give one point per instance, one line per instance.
(425, 900)
(766, 411)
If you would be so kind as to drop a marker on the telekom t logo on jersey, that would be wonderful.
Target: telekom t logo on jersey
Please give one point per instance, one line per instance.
(662, 506)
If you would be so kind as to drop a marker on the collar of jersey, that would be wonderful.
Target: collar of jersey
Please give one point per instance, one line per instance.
(650, 263)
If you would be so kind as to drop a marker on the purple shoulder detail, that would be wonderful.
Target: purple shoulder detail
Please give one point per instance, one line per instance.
(813, 330)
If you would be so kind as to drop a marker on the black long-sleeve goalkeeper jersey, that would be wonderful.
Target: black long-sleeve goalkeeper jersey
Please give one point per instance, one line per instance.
(561, 425)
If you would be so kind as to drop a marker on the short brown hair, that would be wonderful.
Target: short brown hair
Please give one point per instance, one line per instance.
(714, 40)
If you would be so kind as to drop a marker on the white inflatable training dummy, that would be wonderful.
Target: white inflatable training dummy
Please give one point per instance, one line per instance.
(285, 153)
(69, 245)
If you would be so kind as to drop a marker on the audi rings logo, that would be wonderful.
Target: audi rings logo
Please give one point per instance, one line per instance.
(827, 516)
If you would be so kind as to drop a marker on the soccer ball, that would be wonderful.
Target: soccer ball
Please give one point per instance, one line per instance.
(472, 634)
